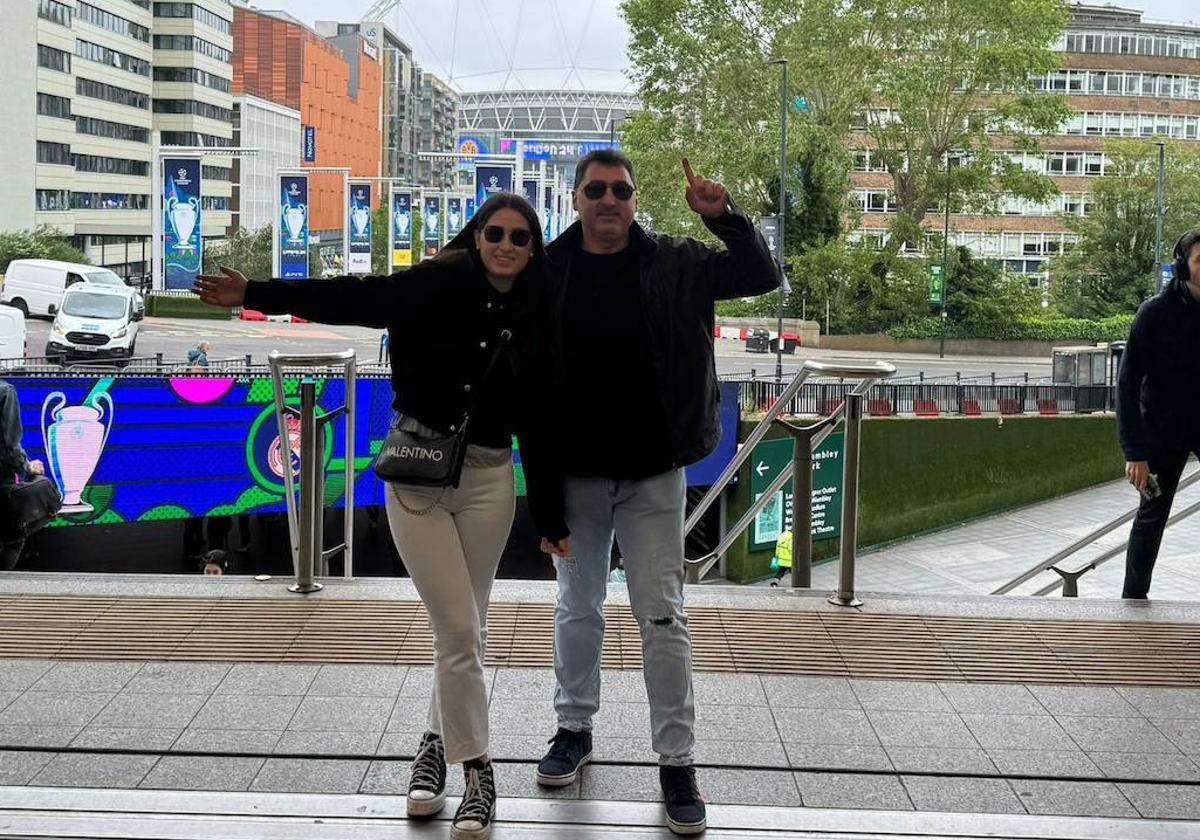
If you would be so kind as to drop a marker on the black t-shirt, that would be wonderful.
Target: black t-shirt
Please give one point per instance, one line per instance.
(618, 425)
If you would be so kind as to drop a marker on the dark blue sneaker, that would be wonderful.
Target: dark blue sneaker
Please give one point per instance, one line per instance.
(569, 751)
(685, 807)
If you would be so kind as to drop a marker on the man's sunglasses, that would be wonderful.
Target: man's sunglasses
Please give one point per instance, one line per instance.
(621, 190)
(519, 238)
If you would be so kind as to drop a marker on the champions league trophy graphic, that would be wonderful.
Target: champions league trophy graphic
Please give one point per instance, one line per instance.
(182, 215)
(360, 216)
(402, 220)
(431, 223)
(73, 444)
(293, 216)
(453, 220)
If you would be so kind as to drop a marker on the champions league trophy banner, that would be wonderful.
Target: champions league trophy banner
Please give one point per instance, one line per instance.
(292, 238)
(432, 216)
(491, 179)
(454, 216)
(183, 247)
(360, 229)
(402, 256)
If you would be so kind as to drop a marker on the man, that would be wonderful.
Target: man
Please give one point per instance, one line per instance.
(1158, 406)
(632, 327)
(15, 465)
(197, 357)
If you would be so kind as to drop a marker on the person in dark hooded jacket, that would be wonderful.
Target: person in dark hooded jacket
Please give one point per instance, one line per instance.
(1158, 406)
(15, 465)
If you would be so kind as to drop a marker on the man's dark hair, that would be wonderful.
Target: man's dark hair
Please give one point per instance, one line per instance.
(1183, 250)
(605, 157)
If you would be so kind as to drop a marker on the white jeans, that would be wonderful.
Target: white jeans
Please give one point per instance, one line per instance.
(452, 553)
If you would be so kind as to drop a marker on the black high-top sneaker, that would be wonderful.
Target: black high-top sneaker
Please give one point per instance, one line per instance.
(473, 820)
(427, 784)
(685, 806)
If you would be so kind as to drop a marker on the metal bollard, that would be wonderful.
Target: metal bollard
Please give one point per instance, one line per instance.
(844, 597)
(312, 490)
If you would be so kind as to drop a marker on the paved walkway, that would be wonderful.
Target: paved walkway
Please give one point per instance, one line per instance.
(799, 746)
(980, 556)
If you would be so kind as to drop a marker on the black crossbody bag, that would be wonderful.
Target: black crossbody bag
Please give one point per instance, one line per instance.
(423, 461)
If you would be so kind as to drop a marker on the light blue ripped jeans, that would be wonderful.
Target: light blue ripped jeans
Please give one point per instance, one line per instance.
(647, 518)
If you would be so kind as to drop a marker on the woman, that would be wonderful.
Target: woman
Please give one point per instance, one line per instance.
(444, 317)
(15, 466)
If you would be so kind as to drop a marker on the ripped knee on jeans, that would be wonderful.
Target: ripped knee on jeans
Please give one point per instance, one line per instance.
(666, 621)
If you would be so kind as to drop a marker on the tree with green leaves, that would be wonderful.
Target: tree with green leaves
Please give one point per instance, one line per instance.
(41, 243)
(926, 80)
(1111, 268)
(249, 251)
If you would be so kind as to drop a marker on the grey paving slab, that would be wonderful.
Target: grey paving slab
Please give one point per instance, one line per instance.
(639, 784)
(1074, 799)
(622, 687)
(849, 790)
(1156, 767)
(237, 711)
(328, 743)
(411, 714)
(934, 760)
(19, 674)
(958, 795)
(519, 747)
(825, 726)
(292, 775)
(390, 778)
(122, 738)
(1111, 734)
(358, 681)
(251, 741)
(900, 696)
(1164, 702)
(748, 787)
(1183, 733)
(343, 714)
(7, 697)
(17, 767)
(991, 699)
(149, 711)
(1083, 701)
(755, 724)
(740, 690)
(1059, 763)
(532, 684)
(838, 757)
(177, 678)
(809, 693)
(921, 729)
(1163, 801)
(49, 708)
(103, 770)
(614, 720)
(25, 735)
(734, 753)
(400, 744)
(1017, 732)
(628, 750)
(275, 680)
(179, 772)
(89, 677)
(517, 717)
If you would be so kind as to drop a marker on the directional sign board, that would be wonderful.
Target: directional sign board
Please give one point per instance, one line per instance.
(770, 456)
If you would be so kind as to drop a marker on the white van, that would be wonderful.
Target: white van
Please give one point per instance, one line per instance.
(94, 322)
(12, 334)
(35, 286)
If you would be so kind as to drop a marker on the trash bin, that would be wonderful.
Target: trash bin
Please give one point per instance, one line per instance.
(789, 345)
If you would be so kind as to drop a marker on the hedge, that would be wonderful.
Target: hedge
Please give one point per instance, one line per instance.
(1115, 328)
(920, 475)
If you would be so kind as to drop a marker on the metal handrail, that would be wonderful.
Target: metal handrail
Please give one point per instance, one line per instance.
(1083, 542)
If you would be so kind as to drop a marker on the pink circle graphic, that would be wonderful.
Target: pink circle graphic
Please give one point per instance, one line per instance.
(201, 389)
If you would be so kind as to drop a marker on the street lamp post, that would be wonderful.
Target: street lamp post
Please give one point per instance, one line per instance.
(1158, 216)
(945, 263)
(783, 91)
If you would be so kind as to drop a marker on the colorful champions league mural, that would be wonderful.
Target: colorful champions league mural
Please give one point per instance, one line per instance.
(143, 449)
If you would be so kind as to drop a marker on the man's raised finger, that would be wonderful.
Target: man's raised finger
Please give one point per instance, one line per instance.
(687, 170)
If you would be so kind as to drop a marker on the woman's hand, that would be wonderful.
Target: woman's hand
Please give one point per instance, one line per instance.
(1137, 472)
(225, 289)
(559, 548)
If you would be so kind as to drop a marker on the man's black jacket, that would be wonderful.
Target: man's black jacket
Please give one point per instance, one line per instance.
(681, 279)
(1158, 392)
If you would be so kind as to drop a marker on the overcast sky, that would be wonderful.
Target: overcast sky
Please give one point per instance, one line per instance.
(474, 43)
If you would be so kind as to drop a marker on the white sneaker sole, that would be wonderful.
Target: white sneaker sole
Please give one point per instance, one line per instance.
(457, 833)
(426, 807)
(563, 781)
(687, 828)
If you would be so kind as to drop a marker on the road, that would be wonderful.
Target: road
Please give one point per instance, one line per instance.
(173, 337)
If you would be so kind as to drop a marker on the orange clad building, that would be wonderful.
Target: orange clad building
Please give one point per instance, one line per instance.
(278, 58)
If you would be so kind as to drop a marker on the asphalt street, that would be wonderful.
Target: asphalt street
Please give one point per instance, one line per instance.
(173, 337)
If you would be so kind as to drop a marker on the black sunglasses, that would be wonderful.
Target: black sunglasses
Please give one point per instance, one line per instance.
(621, 190)
(519, 238)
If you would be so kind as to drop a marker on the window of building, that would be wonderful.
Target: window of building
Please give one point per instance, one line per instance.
(214, 202)
(192, 75)
(113, 23)
(53, 106)
(109, 201)
(53, 59)
(55, 12)
(53, 200)
(216, 173)
(197, 13)
(193, 138)
(190, 42)
(103, 55)
(111, 93)
(194, 107)
(113, 130)
(55, 153)
(110, 165)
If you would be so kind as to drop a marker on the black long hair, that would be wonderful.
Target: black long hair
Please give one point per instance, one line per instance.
(465, 239)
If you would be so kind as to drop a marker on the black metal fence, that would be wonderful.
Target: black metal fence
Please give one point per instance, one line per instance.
(932, 399)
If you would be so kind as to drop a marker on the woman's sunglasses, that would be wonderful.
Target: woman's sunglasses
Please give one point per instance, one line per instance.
(519, 238)
(621, 190)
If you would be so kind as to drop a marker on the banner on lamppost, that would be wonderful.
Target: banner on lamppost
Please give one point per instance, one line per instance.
(183, 246)
(291, 240)
(529, 190)
(310, 143)
(402, 234)
(469, 206)
(549, 220)
(454, 216)
(360, 229)
(431, 214)
(937, 284)
(490, 180)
